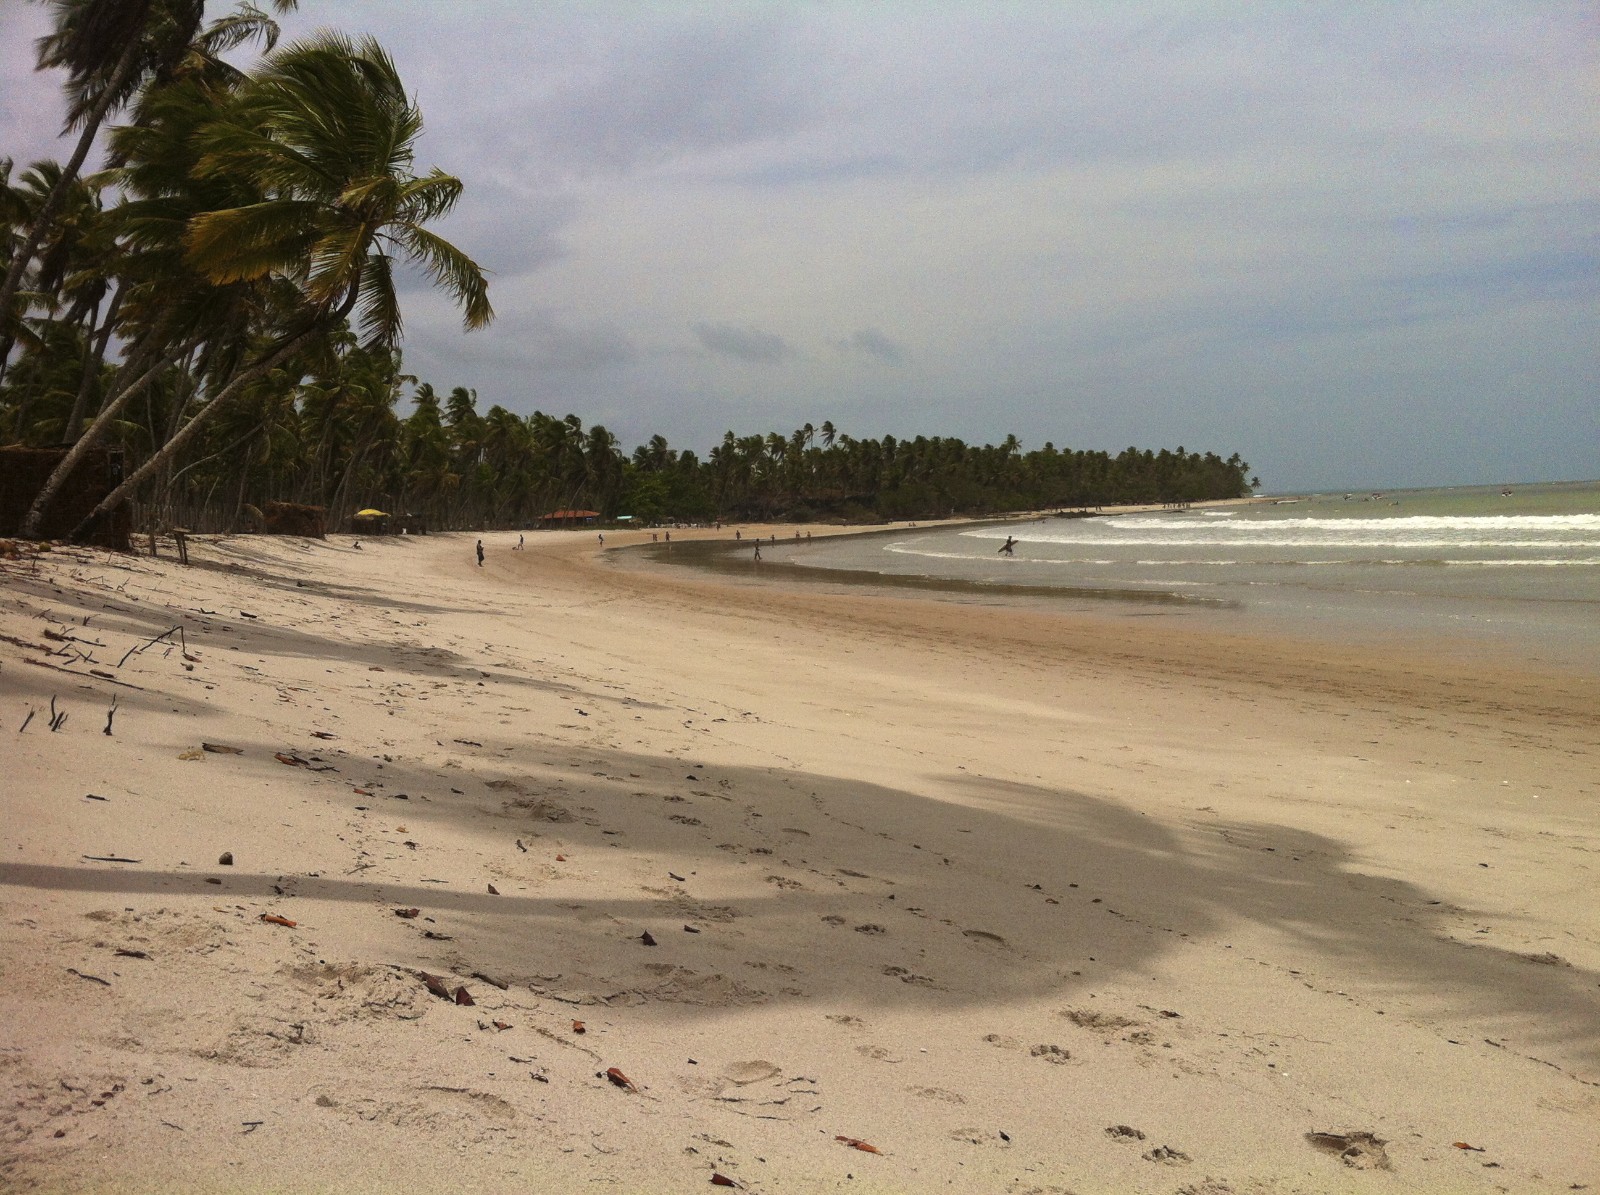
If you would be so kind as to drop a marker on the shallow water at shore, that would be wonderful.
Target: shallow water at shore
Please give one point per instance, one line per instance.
(1513, 570)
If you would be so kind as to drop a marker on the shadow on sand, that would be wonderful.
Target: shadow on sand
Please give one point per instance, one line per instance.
(805, 886)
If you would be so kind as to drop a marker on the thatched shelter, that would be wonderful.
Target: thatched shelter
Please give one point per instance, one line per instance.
(290, 518)
(569, 518)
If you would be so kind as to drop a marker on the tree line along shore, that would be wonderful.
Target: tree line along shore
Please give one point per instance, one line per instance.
(213, 311)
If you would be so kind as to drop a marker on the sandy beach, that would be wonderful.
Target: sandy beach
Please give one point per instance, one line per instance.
(560, 874)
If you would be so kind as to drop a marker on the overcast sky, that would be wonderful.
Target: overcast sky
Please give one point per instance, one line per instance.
(1358, 243)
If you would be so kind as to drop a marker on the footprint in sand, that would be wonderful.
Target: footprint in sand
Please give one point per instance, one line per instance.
(1359, 1151)
(983, 935)
(877, 1054)
(753, 1071)
(943, 1095)
(1103, 1022)
(973, 1136)
(1167, 1156)
(911, 977)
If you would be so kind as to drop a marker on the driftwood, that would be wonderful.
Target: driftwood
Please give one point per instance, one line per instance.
(85, 675)
(151, 642)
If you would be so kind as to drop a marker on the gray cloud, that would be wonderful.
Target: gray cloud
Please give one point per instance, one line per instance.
(748, 345)
(696, 86)
(31, 105)
(548, 344)
(872, 343)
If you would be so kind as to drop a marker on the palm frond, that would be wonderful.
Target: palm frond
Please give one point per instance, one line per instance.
(450, 268)
(244, 144)
(430, 197)
(245, 23)
(248, 242)
(335, 262)
(379, 191)
(378, 311)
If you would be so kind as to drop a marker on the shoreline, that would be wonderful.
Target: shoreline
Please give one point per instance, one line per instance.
(1532, 633)
(1142, 623)
(947, 870)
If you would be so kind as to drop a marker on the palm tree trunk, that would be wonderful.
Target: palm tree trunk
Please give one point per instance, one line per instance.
(163, 455)
(94, 358)
(69, 173)
(244, 478)
(91, 437)
(8, 337)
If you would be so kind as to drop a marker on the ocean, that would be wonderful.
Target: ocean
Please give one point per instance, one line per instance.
(1514, 570)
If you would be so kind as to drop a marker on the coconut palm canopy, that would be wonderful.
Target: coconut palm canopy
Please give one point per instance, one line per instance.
(267, 212)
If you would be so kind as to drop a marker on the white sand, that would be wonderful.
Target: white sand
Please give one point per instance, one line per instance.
(971, 885)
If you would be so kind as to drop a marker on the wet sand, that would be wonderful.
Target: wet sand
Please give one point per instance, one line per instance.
(1024, 901)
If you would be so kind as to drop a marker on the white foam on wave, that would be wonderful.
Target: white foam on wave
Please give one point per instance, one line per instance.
(1586, 563)
(1329, 541)
(1408, 531)
(924, 554)
(1577, 522)
(1532, 533)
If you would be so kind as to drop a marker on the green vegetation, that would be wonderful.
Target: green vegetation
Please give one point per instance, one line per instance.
(219, 304)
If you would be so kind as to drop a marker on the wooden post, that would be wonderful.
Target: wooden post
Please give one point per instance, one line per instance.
(181, 538)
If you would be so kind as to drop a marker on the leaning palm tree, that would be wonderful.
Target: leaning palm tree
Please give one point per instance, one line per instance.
(325, 132)
(168, 310)
(111, 50)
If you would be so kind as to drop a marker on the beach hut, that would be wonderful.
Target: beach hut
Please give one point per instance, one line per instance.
(293, 518)
(569, 518)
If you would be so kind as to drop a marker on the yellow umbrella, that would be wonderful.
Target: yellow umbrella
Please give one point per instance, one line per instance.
(370, 513)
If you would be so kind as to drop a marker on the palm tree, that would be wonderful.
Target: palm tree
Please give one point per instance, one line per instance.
(326, 132)
(111, 49)
(66, 283)
(426, 448)
(168, 309)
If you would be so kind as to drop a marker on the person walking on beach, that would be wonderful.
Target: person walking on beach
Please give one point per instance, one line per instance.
(519, 543)
(602, 539)
(758, 550)
(480, 553)
(1006, 549)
